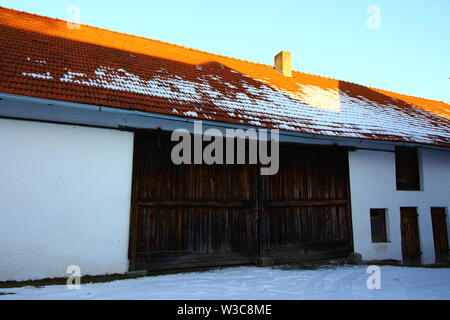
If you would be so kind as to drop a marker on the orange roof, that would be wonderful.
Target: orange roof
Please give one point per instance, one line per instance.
(42, 57)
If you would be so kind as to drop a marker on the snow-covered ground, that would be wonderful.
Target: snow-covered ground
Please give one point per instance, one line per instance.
(280, 282)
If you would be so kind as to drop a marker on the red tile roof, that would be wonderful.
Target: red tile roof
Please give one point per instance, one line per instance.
(42, 57)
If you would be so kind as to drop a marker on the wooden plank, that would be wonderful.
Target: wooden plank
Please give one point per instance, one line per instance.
(410, 236)
(348, 226)
(262, 222)
(162, 253)
(305, 203)
(298, 256)
(440, 236)
(132, 244)
(195, 261)
(196, 203)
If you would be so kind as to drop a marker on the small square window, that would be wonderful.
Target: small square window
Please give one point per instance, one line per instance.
(378, 225)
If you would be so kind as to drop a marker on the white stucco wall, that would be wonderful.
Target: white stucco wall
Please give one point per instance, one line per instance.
(373, 185)
(64, 199)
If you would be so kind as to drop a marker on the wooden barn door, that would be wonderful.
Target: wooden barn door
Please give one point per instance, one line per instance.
(204, 215)
(306, 206)
(440, 236)
(189, 215)
(410, 236)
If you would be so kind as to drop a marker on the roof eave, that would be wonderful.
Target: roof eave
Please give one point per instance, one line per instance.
(22, 107)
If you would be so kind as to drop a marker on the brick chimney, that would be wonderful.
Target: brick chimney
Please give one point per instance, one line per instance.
(283, 63)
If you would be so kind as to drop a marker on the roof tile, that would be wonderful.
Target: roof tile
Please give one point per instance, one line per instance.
(41, 57)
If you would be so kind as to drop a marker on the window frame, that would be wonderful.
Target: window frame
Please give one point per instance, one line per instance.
(384, 232)
(407, 180)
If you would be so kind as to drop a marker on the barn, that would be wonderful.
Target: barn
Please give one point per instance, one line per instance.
(87, 178)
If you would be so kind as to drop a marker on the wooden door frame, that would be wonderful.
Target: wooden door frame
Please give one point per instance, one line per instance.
(132, 245)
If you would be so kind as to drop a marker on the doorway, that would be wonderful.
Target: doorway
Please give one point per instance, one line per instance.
(440, 236)
(410, 236)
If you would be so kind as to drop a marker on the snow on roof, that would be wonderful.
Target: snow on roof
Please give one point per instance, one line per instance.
(43, 58)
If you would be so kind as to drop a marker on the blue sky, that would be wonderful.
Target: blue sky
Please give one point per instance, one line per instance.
(409, 53)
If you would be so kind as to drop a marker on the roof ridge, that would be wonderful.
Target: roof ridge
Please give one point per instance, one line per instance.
(375, 88)
(139, 37)
(410, 96)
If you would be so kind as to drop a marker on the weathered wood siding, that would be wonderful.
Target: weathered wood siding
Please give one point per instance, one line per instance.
(202, 215)
(307, 204)
(410, 236)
